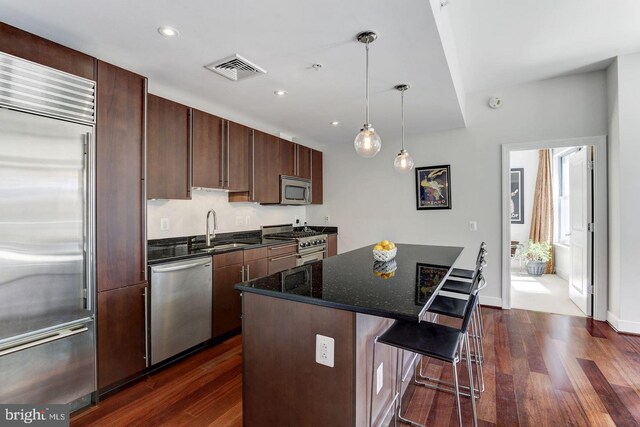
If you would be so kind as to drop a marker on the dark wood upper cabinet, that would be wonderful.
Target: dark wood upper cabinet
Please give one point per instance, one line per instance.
(120, 201)
(316, 177)
(168, 149)
(265, 165)
(121, 335)
(287, 157)
(33, 48)
(303, 167)
(208, 136)
(237, 161)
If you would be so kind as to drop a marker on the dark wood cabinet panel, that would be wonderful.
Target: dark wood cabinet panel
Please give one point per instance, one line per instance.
(256, 268)
(237, 167)
(304, 161)
(121, 334)
(208, 135)
(253, 254)
(287, 157)
(33, 48)
(168, 149)
(227, 305)
(120, 202)
(280, 258)
(316, 177)
(265, 184)
(332, 245)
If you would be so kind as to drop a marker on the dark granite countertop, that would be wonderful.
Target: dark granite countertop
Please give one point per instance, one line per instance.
(179, 248)
(349, 281)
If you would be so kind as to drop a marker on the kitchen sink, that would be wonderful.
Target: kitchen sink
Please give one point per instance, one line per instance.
(223, 246)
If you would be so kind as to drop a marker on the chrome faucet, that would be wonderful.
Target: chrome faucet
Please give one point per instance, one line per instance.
(209, 234)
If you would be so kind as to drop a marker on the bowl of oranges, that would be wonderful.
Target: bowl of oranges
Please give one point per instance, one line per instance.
(384, 251)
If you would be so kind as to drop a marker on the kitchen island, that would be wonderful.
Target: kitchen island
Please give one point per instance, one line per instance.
(349, 298)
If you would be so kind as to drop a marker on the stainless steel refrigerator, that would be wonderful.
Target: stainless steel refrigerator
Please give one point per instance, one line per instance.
(47, 344)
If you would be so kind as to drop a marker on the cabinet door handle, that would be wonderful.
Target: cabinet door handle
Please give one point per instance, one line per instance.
(283, 257)
(228, 156)
(146, 326)
(222, 123)
(248, 277)
(253, 165)
(190, 155)
(242, 272)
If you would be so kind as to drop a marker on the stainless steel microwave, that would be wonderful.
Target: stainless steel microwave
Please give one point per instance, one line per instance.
(294, 190)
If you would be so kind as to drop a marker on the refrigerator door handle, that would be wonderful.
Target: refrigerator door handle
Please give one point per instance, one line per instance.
(57, 336)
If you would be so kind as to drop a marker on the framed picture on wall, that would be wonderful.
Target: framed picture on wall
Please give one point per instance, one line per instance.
(517, 196)
(433, 187)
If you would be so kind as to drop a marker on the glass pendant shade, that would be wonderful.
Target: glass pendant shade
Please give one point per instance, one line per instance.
(403, 162)
(367, 142)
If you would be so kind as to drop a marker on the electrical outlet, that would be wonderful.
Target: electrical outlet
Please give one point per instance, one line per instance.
(164, 224)
(326, 219)
(379, 377)
(473, 225)
(239, 220)
(247, 220)
(297, 221)
(324, 350)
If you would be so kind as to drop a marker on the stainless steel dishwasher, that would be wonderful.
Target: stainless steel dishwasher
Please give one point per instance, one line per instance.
(181, 306)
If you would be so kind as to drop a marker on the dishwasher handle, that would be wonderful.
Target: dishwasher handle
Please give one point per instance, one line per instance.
(181, 266)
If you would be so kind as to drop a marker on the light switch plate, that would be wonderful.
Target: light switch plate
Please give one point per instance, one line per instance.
(239, 220)
(473, 225)
(324, 350)
(164, 224)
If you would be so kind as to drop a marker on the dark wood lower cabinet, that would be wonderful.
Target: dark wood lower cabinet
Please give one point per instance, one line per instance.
(227, 304)
(332, 245)
(255, 269)
(121, 334)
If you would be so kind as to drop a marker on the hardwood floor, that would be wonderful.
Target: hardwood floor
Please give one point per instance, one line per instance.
(541, 369)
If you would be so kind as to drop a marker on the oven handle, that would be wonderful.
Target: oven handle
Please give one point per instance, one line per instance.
(295, 245)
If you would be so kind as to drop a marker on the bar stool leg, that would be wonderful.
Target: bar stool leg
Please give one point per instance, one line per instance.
(457, 390)
(471, 387)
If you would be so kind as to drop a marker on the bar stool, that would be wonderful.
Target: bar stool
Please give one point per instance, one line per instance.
(432, 340)
(468, 274)
(455, 308)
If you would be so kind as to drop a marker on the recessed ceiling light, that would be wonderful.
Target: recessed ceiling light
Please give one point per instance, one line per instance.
(168, 31)
(335, 123)
(280, 92)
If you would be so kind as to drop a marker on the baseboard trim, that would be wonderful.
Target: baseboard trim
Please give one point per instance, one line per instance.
(491, 301)
(623, 326)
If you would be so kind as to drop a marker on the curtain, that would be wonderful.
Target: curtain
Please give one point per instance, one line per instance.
(542, 216)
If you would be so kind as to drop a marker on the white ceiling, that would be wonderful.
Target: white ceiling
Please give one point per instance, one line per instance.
(285, 38)
(507, 42)
(498, 43)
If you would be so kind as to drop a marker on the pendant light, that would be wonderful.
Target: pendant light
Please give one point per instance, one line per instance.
(403, 162)
(367, 142)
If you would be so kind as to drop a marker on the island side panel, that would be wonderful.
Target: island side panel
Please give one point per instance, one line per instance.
(282, 383)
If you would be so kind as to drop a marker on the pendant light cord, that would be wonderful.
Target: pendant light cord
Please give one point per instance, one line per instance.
(367, 84)
(402, 104)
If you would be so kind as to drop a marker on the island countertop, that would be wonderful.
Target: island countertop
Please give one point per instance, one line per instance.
(349, 281)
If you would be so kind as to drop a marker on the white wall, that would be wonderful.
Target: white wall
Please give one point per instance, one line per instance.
(624, 203)
(369, 201)
(187, 217)
(528, 160)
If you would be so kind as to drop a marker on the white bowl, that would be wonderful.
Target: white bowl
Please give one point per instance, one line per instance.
(385, 256)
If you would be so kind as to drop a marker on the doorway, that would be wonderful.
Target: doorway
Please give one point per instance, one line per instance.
(575, 172)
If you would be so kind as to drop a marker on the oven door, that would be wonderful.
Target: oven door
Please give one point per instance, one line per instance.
(310, 257)
(295, 191)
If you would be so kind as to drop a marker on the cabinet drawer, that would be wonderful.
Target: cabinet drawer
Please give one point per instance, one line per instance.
(252, 254)
(229, 258)
(277, 251)
(281, 263)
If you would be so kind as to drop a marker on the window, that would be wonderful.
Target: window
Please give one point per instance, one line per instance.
(562, 196)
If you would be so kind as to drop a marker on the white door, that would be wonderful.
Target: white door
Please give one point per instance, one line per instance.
(580, 214)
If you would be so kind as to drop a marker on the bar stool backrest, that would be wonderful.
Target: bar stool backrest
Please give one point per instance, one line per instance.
(468, 312)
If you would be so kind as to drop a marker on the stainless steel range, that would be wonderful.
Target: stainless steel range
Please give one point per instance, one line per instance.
(312, 245)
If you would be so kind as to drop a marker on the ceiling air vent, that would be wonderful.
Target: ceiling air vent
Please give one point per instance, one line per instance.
(235, 68)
